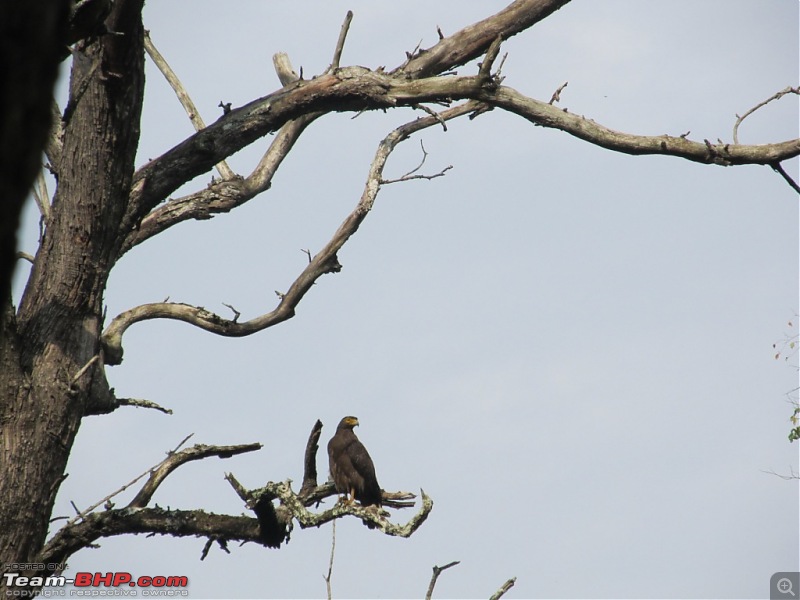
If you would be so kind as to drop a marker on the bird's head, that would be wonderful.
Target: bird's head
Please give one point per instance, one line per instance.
(348, 423)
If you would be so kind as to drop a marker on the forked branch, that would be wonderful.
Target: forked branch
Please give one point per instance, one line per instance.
(88, 526)
(223, 196)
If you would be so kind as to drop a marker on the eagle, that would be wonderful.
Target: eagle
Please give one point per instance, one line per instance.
(352, 470)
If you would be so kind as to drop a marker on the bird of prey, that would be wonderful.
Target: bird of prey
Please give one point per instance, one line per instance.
(352, 470)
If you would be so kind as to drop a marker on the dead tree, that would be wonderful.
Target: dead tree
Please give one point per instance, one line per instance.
(55, 348)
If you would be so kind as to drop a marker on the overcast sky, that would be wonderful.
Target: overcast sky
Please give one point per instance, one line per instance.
(570, 350)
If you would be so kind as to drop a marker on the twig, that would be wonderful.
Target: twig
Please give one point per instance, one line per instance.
(337, 53)
(411, 177)
(776, 166)
(500, 66)
(792, 474)
(411, 174)
(503, 589)
(25, 256)
(557, 94)
(236, 313)
(183, 97)
(776, 96)
(327, 577)
(83, 370)
(436, 572)
(432, 113)
(223, 544)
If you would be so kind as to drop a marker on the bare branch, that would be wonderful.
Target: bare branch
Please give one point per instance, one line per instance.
(236, 313)
(541, 113)
(327, 577)
(409, 177)
(183, 97)
(337, 53)
(411, 174)
(357, 88)
(178, 523)
(432, 113)
(557, 94)
(136, 519)
(172, 462)
(325, 261)
(348, 89)
(222, 196)
(485, 70)
(436, 572)
(82, 514)
(777, 167)
(25, 256)
(310, 459)
(776, 96)
(143, 404)
(296, 506)
(792, 474)
(474, 40)
(284, 69)
(503, 589)
(83, 370)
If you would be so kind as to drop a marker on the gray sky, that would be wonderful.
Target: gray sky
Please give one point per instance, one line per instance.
(570, 350)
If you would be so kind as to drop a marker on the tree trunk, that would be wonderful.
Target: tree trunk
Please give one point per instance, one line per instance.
(56, 332)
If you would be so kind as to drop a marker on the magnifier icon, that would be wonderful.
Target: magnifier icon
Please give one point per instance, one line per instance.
(784, 586)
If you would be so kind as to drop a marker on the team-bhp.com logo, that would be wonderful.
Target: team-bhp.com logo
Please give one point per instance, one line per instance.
(113, 584)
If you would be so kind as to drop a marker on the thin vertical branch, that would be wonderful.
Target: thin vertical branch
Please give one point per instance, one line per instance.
(330, 564)
(337, 53)
(503, 589)
(436, 572)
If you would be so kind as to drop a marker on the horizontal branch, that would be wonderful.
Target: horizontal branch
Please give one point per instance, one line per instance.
(179, 523)
(547, 115)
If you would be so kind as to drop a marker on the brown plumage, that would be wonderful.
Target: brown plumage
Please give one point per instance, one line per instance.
(352, 469)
